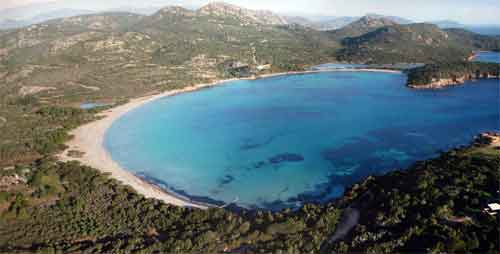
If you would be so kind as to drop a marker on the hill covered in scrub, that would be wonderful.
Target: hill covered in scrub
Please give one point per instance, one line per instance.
(362, 26)
(424, 43)
(433, 206)
(444, 74)
(111, 57)
(47, 70)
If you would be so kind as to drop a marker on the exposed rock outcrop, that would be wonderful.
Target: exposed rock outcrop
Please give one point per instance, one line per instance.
(443, 83)
(246, 15)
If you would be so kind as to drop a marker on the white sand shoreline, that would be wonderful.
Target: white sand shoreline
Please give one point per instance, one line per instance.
(89, 139)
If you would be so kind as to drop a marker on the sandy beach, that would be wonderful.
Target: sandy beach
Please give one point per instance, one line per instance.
(89, 139)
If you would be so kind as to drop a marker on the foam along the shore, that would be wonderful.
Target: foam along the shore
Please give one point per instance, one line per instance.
(89, 139)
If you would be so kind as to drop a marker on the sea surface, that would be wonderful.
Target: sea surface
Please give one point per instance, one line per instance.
(488, 57)
(337, 66)
(91, 105)
(282, 141)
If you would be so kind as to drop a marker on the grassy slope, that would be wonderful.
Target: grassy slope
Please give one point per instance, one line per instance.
(70, 207)
(112, 57)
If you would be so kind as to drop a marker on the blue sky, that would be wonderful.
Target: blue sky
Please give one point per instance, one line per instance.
(465, 11)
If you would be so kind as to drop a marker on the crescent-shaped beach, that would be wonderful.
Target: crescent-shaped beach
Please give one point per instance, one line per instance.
(89, 140)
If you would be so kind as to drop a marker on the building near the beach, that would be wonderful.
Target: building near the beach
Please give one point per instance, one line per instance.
(492, 209)
(264, 67)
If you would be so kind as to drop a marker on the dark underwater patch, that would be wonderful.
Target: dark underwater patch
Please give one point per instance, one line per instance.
(227, 179)
(179, 193)
(286, 157)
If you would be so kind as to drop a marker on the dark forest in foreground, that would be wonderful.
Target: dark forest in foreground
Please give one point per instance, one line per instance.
(47, 70)
(434, 206)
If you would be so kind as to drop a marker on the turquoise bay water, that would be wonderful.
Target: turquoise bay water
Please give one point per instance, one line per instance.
(91, 105)
(488, 57)
(333, 66)
(282, 141)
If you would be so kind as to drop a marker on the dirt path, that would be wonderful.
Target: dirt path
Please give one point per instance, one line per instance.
(349, 220)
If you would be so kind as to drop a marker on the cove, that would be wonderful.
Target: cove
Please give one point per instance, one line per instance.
(487, 57)
(282, 141)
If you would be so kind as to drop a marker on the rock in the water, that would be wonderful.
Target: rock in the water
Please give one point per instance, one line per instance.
(286, 157)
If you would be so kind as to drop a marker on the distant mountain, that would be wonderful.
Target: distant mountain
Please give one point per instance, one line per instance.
(142, 11)
(474, 40)
(42, 17)
(321, 24)
(443, 24)
(60, 13)
(413, 43)
(106, 21)
(190, 45)
(485, 29)
(245, 15)
(362, 26)
(35, 14)
(395, 19)
(480, 29)
(125, 52)
(334, 23)
(300, 21)
(11, 24)
(27, 12)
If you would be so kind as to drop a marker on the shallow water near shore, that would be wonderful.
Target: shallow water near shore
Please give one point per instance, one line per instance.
(281, 141)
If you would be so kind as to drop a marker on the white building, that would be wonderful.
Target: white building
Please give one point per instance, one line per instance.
(492, 209)
(264, 67)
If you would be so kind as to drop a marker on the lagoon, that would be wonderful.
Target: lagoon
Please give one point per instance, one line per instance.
(282, 141)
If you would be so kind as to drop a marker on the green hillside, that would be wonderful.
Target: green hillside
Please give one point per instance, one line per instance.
(434, 206)
(405, 43)
(474, 40)
(115, 56)
(111, 57)
(456, 71)
(362, 26)
(47, 70)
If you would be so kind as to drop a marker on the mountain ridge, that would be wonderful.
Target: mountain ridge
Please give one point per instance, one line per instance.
(258, 16)
(362, 26)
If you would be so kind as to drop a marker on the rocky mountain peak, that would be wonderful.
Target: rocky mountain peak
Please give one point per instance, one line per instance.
(374, 21)
(254, 16)
(176, 10)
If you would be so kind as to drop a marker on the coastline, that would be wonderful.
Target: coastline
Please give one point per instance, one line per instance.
(89, 139)
(445, 83)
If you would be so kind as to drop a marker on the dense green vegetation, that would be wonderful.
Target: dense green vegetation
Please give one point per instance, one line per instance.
(69, 207)
(111, 57)
(47, 70)
(434, 206)
(413, 43)
(455, 71)
(362, 26)
(32, 130)
(473, 40)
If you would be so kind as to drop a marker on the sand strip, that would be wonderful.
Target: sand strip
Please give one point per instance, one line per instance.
(89, 139)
